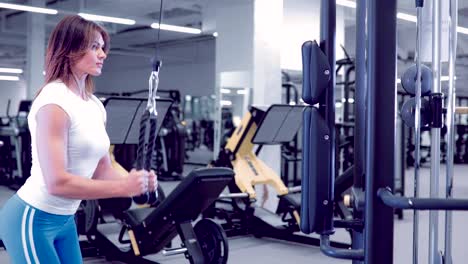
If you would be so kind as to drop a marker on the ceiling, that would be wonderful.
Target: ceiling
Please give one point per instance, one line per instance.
(140, 38)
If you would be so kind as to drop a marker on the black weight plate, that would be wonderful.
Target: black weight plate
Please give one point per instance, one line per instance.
(213, 241)
(408, 112)
(408, 80)
(86, 217)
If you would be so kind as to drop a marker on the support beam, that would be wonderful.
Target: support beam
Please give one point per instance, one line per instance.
(380, 131)
(35, 51)
(360, 116)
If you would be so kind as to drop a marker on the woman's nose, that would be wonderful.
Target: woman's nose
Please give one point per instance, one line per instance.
(102, 54)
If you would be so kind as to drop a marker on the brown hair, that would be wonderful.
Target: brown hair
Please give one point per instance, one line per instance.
(68, 43)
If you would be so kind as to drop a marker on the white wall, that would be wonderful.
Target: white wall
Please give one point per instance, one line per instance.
(188, 67)
(301, 23)
(14, 90)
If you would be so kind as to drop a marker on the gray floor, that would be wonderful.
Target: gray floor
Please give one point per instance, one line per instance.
(252, 250)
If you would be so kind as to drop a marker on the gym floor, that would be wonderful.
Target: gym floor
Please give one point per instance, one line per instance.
(253, 250)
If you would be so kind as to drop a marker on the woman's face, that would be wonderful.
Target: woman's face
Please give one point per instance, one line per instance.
(92, 62)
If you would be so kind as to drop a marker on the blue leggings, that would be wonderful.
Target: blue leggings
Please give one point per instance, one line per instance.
(34, 236)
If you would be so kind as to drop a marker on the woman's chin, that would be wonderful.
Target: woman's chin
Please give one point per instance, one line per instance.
(95, 73)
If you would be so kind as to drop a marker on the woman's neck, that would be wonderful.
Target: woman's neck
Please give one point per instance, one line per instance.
(78, 85)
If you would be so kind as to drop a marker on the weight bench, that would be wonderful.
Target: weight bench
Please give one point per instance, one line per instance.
(151, 229)
(279, 125)
(274, 125)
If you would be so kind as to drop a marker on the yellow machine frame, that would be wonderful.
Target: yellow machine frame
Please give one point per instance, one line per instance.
(249, 169)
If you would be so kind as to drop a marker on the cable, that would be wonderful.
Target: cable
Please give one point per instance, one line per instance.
(156, 62)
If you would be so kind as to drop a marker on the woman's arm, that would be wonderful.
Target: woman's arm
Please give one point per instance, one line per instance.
(52, 130)
(106, 171)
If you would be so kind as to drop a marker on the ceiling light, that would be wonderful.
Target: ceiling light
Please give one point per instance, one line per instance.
(29, 8)
(447, 78)
(9, 78)
(176, 28)
(407, 17)
(116, 20)
(462, 30)
(225, 91)
(11, 70)
(402, 16)
(215, 34)
(226, 103)
(346, 3)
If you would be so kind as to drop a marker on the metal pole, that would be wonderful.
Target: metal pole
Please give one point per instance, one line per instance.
(359, 113)
(327, 44)
(380, 129)
(360, 96)
(217, 119)
(435, 134)
(450, 125)
(347, 88)
(417, 134)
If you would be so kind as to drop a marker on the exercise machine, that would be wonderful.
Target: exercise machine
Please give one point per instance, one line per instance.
(123, 128)
(171, 143)
(134, 233)
(172, 140)
(145, 231)
(276, 124)
(16, 160)
(372, 197)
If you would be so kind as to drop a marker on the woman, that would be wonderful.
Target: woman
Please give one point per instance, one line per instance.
(70, 158)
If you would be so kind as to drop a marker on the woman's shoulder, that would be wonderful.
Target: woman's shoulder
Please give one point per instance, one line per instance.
(54, 87)
(56, 93)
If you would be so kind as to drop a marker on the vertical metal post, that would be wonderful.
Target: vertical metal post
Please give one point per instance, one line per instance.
(417, 134)
(217, 120)
(380, 130)
(450, 126)
(346, 89)
(327, 44)
(360, 95)
(435, 134)
(359, 113)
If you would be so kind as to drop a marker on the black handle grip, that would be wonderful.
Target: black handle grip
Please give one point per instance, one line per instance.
(141, 199)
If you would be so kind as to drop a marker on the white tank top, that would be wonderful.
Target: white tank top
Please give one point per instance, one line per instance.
(88, 142)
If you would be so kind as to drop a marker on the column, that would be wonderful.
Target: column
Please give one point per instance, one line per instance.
(35, 50)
